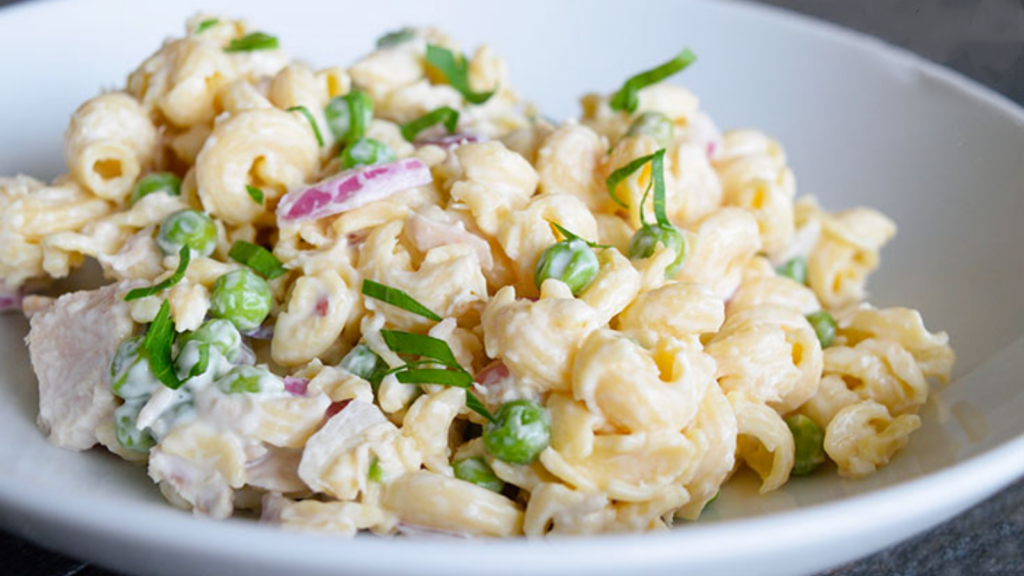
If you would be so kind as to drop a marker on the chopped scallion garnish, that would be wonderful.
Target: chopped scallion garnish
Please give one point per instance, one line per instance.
(398, 298)
(204, 361)
(255, 193)
(206, 25)
(158, 343)
(456, 70)
(627, 98)
(251, 42)
(375, 473)
(438, 351)
(395, 38)
(184, 256)
(312, 122)
(626, 171)
(569, 235)
(445, 115)
(419, 345)
(258, 258)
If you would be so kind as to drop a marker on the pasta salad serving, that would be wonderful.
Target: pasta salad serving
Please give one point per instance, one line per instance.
(395, 298)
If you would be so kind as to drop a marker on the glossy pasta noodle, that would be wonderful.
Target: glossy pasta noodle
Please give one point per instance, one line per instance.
(393, 298)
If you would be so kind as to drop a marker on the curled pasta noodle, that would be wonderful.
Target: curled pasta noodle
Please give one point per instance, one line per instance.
(675, 310)
(764, 442)
(443, 503)
(714, 431)
(345, 518)
(831, 397)
(863, 436)
(567, 163)
(770, 353)
(846, 253)
(528, 232)
(448, 280)
(108, 144)
(931, 350)
(537, 341)
(880, 370)
(182, 80)
(641, 390)
(557, 509)
(318, 309)
(718, 250)
(616, 285)
(496, 183)
(270, 149)
(773, 290)
(427, 422)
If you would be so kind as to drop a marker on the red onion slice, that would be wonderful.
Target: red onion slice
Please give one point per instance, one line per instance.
(451, 141)
(352, 189)
(10, 299)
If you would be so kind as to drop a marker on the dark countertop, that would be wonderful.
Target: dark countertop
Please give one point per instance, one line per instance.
(983, 39)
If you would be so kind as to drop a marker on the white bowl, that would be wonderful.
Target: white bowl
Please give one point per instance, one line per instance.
(863, 124)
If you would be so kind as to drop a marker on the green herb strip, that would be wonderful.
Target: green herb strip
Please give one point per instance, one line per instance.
(397, 298)
(456, 70)
(445, 115)
(258, 258)
(312, 122)
(627, 98)
(184, 257)
(255, 193)
(158, 343)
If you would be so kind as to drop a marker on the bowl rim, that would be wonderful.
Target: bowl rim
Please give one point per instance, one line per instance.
(979, 475)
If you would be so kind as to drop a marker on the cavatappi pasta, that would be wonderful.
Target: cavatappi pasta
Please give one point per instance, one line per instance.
(391, 297)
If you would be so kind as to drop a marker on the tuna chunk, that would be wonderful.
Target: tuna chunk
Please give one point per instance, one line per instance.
(71, 344)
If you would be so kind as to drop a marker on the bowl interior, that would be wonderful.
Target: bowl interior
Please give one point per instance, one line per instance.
(862, 125)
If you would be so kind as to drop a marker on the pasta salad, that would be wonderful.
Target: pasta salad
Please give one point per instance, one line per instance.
(394, 297)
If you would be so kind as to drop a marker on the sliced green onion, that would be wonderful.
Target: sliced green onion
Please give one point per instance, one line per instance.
(206, 25)
(312, 122)
(258, 258)
(569, 235)
(457, 378)
(398, 298)
(158, 343)
(375, 473)
(474, 404)
(253, 41)
(419, 345)
(657, 175)
(184, 256)
(396, 37)
(445, 115)
(204, 361)
(456, 70)
(255, 193)
(627, 97)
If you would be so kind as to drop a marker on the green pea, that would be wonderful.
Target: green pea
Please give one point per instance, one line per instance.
(366, 152)
(571, 261)
(375, 473)
(250, 379)
(128, 435)
(824, 326)
(365, 363)
(476, 471)
(130, 375)
(795, 269)
(645, 241)
(222, 334)
(349, 115)
(189, 228)
(809, 442)
(241, 297)
(396, 37)
(656, 125)
(156, 182)
(520, 431)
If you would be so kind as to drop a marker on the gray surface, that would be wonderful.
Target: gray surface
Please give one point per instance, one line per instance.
(983, 39)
